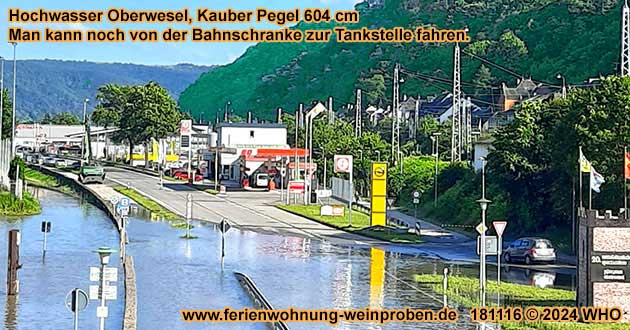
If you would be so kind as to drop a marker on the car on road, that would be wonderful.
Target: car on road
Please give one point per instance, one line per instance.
(183, 175)
(530, 250)
(60, 163)
(50, 161)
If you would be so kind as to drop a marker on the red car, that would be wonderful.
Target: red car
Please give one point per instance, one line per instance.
(184, 176)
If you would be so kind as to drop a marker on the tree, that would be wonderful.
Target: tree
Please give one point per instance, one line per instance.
(509, 46)
(482, 79)
(373, 89)
(6, 115)
(63, 118)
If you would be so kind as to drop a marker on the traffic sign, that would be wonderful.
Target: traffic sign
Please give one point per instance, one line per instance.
(111, 274)
(491, 245)
(110, 292)
(46, 226)
(114, 199)
(343, 163)
(76, 300)
(416, 200)
(416, 194)
(296, 186)
(481, 228)
(224, 226)
(499, 227)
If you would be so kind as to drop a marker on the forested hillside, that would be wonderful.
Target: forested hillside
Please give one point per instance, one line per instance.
(537, 38)
(52, 86)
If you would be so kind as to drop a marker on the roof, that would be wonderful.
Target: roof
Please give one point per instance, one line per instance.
(251, 125)
(437, 106)
(525, 89)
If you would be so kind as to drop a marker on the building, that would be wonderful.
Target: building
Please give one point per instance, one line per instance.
(244, 140)
(41, 135)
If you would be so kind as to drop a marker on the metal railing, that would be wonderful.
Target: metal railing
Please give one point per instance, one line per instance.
(258, 297)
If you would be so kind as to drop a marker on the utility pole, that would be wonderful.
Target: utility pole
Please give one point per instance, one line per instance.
(436, 138)
(357, 115)
(83, 146)
(395, 114)
(14, 262)
(13, 111)
(331, 112)
(468, 136)
(625, 40)
(1, 93)
(456, 128)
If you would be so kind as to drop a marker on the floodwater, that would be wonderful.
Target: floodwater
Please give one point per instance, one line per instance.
(174, 273)
(77, 229)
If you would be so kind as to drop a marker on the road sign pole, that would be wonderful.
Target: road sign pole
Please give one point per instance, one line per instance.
(350, 199)
(102, 291)
(222, 249)
(44, 246)
(499, 260)
(499, 227)
(75, 305)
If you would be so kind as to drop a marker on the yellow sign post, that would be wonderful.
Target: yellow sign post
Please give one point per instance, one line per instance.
(378, 203)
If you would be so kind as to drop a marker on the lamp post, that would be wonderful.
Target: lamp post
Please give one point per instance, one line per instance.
(227, 104)
(564, 85)
(13, 104)
(483, 202)
(314, 112)
(378, 155)
(101, 311)
(435, 136)
(85, 102)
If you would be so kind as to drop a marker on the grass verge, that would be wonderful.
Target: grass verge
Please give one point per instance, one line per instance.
(465, 291)
(39, 179)
(155, 208)
(360, 224)
(11, 206)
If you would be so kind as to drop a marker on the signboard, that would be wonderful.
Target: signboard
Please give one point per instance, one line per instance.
(46, 226)
(338, 210)
(322, 193)
(184, 142)
(113, 199)
(111, 274)
(110, 292)
(76, 300)
(491, 245)
(481, 228)
(185, 127)
(326, 210)
(499, 227)
(296, 186)
(378, 195)
(343, 163)
(224, 226)
(123, 206)
(416, 194)
(416, 200)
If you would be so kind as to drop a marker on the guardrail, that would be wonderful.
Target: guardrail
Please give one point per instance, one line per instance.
(258, 297)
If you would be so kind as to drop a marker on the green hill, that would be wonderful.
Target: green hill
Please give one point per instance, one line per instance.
(541, 38)
(53, 86)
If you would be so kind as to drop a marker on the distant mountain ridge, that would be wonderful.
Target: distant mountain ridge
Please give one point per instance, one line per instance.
(53, 86)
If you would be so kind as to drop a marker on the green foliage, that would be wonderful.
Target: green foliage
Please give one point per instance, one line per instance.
(482, 79)
(141, 112)
(157, 210)
(360, 223)
(374, 88)
(63, 118)
(16, 163)
(535, 160)
(6, 115)
(418, 175)
(529, 37)
(11, 206)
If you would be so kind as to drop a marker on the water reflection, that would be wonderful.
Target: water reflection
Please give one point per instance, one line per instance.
(77, 230)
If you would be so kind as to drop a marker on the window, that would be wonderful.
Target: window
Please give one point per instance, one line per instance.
(251, 134)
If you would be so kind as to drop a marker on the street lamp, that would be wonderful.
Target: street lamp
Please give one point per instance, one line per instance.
(227, 116)
(435, 136)
(564, 85)
(103, 253)
(314, 112)
(378, 154)
(85, 102)
(13, 110)
(483, 203)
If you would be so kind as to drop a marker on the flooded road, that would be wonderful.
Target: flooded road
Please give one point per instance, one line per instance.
(175, 273)
(77, 230)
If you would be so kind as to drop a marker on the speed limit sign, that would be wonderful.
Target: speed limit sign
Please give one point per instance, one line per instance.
(343, 163)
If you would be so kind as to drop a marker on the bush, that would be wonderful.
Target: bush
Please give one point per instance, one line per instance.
(17, 161)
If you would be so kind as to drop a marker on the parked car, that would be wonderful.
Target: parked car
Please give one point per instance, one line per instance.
(61, 163)
(261, 180)
(50, 161)
(530, 250)
(183, 175)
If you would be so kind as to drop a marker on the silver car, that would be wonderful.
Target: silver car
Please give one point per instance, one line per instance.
(530, 250)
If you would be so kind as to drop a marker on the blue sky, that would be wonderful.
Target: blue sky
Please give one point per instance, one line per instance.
(145, 53)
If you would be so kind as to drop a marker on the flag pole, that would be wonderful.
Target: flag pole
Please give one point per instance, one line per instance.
(580, 173)
(625, 182)
(590, 189)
